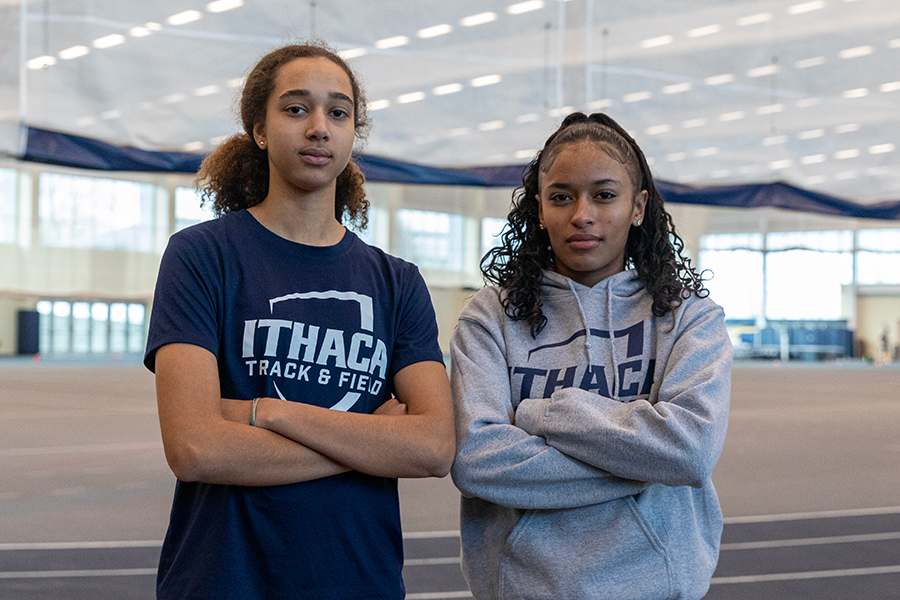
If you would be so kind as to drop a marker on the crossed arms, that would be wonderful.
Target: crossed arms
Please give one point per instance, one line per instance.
(209, 439)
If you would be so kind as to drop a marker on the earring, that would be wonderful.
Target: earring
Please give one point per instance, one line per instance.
(639, 222)
(543, 226)
(262, 143)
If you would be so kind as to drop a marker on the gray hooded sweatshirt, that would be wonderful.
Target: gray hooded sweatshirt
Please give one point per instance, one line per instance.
(584, 456)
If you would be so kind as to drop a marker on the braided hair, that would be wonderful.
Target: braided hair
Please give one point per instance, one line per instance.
(653, 248)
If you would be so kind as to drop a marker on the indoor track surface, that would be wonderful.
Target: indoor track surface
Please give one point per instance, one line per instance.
(808, 481)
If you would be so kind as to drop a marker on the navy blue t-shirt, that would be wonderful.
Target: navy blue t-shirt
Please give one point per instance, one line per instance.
(329, 326)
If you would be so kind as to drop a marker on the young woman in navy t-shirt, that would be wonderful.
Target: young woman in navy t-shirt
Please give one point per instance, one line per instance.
(298, 371)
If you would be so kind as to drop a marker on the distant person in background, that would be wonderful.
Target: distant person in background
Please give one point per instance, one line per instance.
(278, 339)
(591, 386)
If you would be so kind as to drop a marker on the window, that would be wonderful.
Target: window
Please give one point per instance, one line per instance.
(432, 240)
(190, 209)
(804, 284)
(491, 228)
(378, 231)
(878, 257)
(8, 201)
(735, 265)
(88, 212)
(85, 327)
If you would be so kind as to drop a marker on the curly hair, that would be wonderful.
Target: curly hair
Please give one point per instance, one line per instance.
(236, 175)
(653, 248)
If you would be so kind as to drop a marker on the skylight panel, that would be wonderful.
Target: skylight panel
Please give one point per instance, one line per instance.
(108, 41)
(762, 71)
(806, 7)
(677, 88)
(207, 90)
(73, 52)
(892, 86)
(139, 32)
(658, 129)
(882, 148)
(847, 128)
(719, 79)
(184, 17)
(811, 134)
(41, 62)
(491, 125)
(352, 53)
(392, 42)
(527, 118)
(479, 19)
(736, 115)
(485, 80)
(449, 88)
(856, 93)
(224, 5)
(777, 165)
(703, 31)
(810, 62)
(657, 41)
(692, 123)
(856, 52)
(637, 96)
(813, 159)
(770, 109)
(434, 31)
(378, 104)
(845, 154)
(410, 97)
(524, 7)
(754, 19)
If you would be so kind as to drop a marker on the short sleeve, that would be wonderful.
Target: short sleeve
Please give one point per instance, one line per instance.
(187, 298)
(417, 333)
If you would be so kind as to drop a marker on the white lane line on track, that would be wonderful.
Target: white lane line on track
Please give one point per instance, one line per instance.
(81, 545)
(76, 573)
(814, 541)
(824, 514)
(48, 450)
(807, 575)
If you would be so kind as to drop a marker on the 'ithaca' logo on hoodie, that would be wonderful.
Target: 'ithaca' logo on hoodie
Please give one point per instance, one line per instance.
(634, 376)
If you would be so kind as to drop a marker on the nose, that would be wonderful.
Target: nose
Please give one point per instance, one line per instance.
(317, 125)
(583, 214)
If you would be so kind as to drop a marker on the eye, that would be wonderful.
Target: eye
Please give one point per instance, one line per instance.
(606, 195)
(340, 113)
(295, 110)
(559, 198)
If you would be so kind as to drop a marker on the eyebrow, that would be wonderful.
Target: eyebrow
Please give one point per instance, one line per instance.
(599, 182)
(307, 93)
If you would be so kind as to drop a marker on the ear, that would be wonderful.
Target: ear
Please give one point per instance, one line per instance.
(640, 203)
(259, 135)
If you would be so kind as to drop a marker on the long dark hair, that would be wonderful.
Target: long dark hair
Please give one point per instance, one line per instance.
(653, 248)
(236, 175)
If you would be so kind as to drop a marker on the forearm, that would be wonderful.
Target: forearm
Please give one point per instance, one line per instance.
(417, 444)
(506, 466)
(237, 454)
(382, 445)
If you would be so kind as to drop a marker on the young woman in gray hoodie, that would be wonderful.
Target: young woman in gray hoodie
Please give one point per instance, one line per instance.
(591, 384)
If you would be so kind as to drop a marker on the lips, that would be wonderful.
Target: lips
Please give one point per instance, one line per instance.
(316, 156)
(582, 241)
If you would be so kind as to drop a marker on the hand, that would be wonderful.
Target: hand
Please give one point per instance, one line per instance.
(392, 407)
(236, 410)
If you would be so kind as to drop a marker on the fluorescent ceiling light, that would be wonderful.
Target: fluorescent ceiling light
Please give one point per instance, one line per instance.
(436, 30)
(524, 7)
(450, 88)
(108, 41)
(182, 18)
(73, 52)
(223, 5)
(392, 42)
(485, 80)
(702, 31)
(657, 41)
(479, 19)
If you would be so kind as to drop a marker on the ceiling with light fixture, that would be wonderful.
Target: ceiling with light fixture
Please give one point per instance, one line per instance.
(714, 91)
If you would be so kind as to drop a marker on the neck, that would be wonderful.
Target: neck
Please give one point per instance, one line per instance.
(305, 220)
